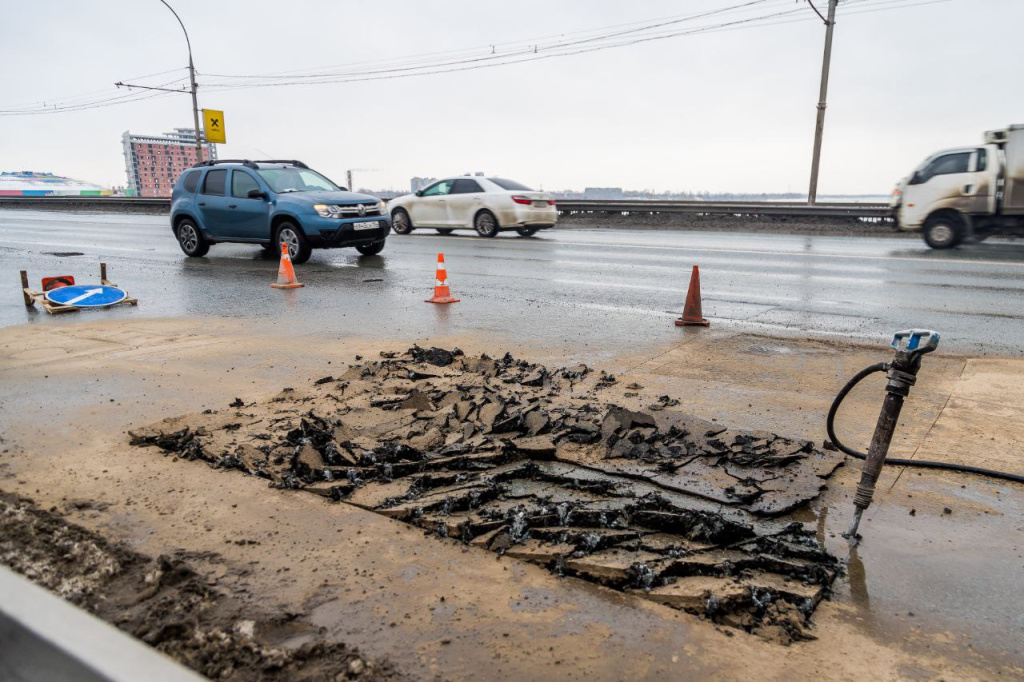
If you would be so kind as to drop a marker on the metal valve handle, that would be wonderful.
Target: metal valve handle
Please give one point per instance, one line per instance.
(915, 341)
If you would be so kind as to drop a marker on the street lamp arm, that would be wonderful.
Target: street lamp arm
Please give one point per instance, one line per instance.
(192, 79)
(182, 24)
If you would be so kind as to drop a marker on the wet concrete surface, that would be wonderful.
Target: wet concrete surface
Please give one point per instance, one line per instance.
(592, 289)
(926, 573)
(953, 572)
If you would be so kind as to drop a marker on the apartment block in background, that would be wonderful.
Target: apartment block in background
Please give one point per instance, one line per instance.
(154, 162)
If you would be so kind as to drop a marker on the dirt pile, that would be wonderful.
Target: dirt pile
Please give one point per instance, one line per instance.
(543, 466)
(167, 604)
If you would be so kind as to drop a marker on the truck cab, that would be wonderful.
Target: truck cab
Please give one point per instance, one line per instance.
(967, 193)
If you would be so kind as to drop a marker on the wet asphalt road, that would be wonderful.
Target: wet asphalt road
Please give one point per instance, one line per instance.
(593, 288)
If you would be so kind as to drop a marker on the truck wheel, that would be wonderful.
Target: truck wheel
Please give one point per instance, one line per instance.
(191, 240)
(400, 222)
(299, 249)
(486, 224)
(943, 231)
(371, 249)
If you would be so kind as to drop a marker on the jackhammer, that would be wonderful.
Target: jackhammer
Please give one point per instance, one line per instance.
(911, 346)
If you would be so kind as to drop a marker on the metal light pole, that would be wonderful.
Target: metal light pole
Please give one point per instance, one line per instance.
(819, 128)
(192, 79)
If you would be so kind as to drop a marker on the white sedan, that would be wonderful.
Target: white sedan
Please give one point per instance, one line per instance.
(487, 205)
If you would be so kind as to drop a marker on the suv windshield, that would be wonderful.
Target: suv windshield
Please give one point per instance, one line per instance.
(283, 180)
(510, 184)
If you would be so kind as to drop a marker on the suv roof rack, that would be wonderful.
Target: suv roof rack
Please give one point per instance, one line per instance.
(213, 162)
(290, 162)
(250, 164)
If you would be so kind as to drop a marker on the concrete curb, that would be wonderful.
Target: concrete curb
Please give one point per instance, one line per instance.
(43, 637)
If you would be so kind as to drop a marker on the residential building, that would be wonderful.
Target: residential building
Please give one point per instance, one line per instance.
(419, 183)
(154, 162)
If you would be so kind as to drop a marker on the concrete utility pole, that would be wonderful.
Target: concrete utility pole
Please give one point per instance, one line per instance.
(192, 80)
(819, 128)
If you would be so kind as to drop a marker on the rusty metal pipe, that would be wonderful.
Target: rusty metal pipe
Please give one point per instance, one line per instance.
(902, 375)
(884, 429)
(911, 346)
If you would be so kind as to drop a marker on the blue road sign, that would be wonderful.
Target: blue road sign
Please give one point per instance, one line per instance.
(86, 295)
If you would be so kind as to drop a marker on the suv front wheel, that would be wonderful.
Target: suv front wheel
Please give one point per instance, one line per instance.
(191, 240)
(292, 236)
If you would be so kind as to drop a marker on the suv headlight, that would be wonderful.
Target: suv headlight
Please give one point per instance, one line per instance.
(327, 210)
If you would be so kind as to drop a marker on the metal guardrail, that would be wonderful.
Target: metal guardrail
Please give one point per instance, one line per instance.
(65, 203)
(565, 206)
(744, 208)
(43, 637)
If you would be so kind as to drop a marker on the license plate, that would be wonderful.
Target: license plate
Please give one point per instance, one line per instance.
(540, 204)
(366, 226)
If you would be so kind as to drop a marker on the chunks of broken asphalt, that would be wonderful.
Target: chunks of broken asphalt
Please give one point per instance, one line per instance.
(542, 466)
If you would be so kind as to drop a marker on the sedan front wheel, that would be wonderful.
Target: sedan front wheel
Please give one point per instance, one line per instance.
(400, 222)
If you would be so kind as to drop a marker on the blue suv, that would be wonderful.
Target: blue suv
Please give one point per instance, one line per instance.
(270, 203)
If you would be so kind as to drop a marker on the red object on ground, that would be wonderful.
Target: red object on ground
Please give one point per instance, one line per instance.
(692, 314)
(442, 294)
(51, 283)
(285, 272)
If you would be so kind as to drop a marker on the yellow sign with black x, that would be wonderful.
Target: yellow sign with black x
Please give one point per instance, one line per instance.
(213, 126)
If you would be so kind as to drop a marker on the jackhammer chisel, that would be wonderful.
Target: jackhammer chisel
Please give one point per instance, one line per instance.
(911, 346)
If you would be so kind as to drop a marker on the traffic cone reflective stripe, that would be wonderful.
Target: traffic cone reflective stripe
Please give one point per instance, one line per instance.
(692, 314)
(442, 293)
(285, 272)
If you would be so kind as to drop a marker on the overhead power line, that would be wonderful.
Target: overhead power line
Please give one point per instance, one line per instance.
(559, 49)
(490, 56)
(83, 103)
(435, 58)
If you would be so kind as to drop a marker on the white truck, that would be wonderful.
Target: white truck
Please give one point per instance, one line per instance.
(966, 194)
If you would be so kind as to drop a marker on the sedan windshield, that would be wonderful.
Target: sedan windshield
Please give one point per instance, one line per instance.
(510, 185)
(283, 180)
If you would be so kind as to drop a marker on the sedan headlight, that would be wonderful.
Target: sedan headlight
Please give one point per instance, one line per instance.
(382, 207)
(327, 210)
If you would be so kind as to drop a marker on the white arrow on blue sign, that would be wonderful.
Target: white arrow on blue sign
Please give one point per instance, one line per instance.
(86, 295)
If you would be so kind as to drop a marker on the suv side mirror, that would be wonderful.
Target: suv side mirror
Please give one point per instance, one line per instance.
(256, 194)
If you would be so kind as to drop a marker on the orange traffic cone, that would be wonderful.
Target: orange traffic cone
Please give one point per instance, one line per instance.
(285, 272)
(692, 314)
(442, 294)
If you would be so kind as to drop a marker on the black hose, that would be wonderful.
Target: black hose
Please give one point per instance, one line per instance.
(924, 464)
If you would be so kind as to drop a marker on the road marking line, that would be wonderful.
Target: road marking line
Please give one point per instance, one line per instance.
(798, 253)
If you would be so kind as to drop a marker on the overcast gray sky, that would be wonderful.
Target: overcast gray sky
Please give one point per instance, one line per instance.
(731, 110)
